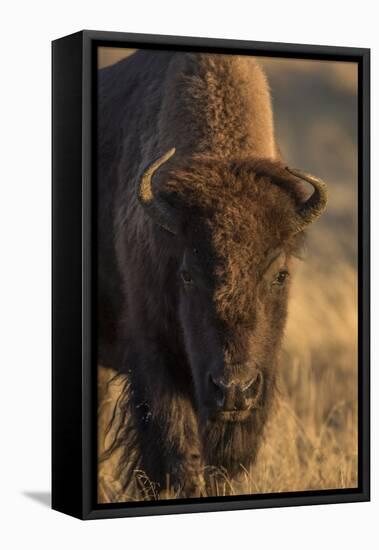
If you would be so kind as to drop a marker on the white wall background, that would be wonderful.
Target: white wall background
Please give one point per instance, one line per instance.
(27, 29)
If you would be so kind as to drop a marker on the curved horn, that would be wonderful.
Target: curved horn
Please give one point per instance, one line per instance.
(158, 210)
(312, 208)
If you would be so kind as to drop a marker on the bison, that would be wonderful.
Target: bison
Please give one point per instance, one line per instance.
(198, 220)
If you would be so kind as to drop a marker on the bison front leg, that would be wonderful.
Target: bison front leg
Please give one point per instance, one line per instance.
(170, 447)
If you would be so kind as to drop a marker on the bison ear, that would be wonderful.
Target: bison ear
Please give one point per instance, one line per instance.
(156, 206)
(312, 208)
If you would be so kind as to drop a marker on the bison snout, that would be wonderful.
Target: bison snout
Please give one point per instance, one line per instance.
(235, 395)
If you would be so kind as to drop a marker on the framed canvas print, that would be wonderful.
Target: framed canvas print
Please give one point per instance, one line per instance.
(210, 274)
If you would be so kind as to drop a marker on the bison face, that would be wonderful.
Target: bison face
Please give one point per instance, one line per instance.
(233, 291)
(232, 323)
(234, 227)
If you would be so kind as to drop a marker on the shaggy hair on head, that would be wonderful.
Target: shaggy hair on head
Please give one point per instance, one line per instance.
(232, 203)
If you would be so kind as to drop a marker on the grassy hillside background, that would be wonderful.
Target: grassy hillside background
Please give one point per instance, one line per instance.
(311, 439)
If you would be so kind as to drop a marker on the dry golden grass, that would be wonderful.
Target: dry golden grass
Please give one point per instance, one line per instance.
(311, 438)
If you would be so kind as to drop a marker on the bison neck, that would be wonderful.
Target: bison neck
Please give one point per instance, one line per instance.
(217, 105)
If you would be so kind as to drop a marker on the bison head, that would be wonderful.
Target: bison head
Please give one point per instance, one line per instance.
(235, 227)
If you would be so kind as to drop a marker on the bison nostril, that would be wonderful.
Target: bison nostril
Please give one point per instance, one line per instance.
(219, 391)
(253, 388)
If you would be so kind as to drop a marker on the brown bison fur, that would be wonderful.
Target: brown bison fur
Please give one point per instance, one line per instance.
(234, 208)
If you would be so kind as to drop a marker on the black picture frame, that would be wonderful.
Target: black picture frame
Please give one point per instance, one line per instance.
(73, 334)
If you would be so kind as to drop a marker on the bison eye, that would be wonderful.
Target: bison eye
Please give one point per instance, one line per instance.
(186, 277)
(281, 277)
